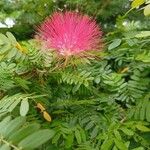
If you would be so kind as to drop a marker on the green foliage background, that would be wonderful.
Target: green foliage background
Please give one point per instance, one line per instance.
(100, 103)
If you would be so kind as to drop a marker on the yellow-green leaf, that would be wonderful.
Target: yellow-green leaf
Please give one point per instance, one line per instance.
(147, 10)
(120, 144)
(127, 131)
(11, 37)
(147, 2)
(107, 144)
(142, 128)
(143, 34)
(136, 3)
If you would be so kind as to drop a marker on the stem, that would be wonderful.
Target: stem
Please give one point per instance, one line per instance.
(127, 12)
(11, 145)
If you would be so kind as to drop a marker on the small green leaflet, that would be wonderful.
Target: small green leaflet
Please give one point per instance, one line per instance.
(114, 44)
(69, 140)
(147, 10)
(120, 144)
(148, 112)
(107, 144)
(127, 131)
(24, 107)
(78, 136)
(142, 34)
(142, 128)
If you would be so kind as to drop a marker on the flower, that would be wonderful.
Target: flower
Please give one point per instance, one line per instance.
(70, 33)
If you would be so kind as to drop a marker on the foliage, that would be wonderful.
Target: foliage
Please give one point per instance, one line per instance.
(87, 103)
(17, 134)
(137, 3)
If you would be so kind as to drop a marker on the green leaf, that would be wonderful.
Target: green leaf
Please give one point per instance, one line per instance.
(22, 82)
(4, 123)
(2, 114)
(23, 132)
(130, 42)
(5, 48)
(13, 126)
(142, 128)
(127, 144)
(5, 147)
(138, 148)
(94, 132)
(89, 125)
(120, 144)
(97, 80)
(12, 53)
(83, 134)
(107, 144)
(56, 137)
(1, 42)
(24, 108)
(11, 37)
(69, 140)
(4, 38)
(114, 44)
(78, 136)
(115, 148)
(36, 139)
(13, 105)
(147, 10)
(117, 135)
(137, 3)
(143, 34)
(85, 120)
(148, 112)
(143, 110)
(11, 66)
(127, 131)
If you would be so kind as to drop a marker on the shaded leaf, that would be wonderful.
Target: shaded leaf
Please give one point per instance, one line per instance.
(148, 112)
(23, 132)
(14, 125)
(39, 137)
(114, 44)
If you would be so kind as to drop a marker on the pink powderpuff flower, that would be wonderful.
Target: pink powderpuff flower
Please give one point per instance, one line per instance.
(70, 33)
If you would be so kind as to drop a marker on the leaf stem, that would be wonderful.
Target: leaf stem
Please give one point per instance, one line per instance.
(11, 145)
